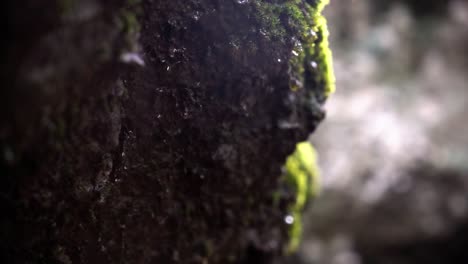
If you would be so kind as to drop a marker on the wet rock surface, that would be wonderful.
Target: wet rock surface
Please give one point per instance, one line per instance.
(147, 131)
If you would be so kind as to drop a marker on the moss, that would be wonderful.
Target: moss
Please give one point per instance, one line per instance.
(311, 76)
(306, 22)
(129, 22)
(315, 55)
(302, 178)
(324, 59)
(269, 17)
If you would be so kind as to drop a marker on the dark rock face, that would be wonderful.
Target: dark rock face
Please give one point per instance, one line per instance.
(176, 160)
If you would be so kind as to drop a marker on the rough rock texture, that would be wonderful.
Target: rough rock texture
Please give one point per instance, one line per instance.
(151, 131)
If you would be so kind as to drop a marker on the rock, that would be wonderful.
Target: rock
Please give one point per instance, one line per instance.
(151, 131)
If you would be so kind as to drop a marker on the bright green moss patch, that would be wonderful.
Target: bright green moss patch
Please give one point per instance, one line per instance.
(324, 58)
(302, 178)
(311, 52)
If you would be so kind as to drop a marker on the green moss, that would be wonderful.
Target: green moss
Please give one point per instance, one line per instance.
(324, 59)
(269, 18)
(302, 177)
(304, 21)
(301, 24)
(315, 55)
(130, 24)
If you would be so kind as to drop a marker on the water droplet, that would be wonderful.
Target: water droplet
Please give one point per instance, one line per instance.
(168, 68)
(298, 45)
(172, 52)
(196, 16)
(279, 60)
(295, 53)
(244, 106)
(242, 1)
(132, 58)
(234, 44)
(313, 64)
(289, 219)
(313, 34)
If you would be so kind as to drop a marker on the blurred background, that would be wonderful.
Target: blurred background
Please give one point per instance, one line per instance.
(394, 147)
